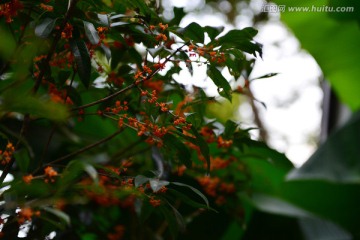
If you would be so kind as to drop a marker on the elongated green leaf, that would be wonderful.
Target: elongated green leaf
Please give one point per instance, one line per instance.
(223, 85)
(91, 33)
(193, 31)
(194, 190)
(82, 59)
(183, 197)
(265, 76)
(60, 214)
(44, 29)
(275, 205)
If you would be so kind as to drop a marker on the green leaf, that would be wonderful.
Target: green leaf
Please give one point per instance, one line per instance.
(140, 180)
(22, 160)
(103, 19)
(193, 31)
(184, 154)
(91, 33)
(7, 44)
(157, 184)
(241, 39)
(338, 159)
(213, 32)
(194, 190)
(223, 85)
(45, 28)
(82, 59)
(275, 205)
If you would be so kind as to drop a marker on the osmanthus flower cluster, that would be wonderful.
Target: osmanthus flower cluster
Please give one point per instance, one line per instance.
(100, 138)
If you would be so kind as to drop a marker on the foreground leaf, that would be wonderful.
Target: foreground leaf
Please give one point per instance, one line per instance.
(82, 59)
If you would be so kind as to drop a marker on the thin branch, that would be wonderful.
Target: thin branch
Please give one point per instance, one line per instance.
(53, 128)
(263, 133)
(87, 147)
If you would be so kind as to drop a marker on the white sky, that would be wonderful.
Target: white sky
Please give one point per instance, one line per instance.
(293, 97)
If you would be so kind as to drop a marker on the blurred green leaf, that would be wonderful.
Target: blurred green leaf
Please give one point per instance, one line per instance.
(230, 128)
(202, 196)
(91, 33)
(337, 160)
(7, 44)
(332, 43)
(241, 39)
(15, 101)
(223, 85)
(275, 205)
(45, 27)
(65, 218)
(82, 59)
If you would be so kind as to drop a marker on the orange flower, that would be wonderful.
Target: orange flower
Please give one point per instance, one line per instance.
(6, 155)
(163, 27)
(28, 178)
(10, 10)
(161, 37)
(26, 214)
(155, 202)
(50, 173)
(224, 143)
(46, 7)
(67, 32)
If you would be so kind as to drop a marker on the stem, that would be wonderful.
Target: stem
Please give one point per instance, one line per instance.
(128, 87)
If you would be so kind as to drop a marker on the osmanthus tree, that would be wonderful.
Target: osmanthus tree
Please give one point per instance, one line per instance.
(102, 143)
